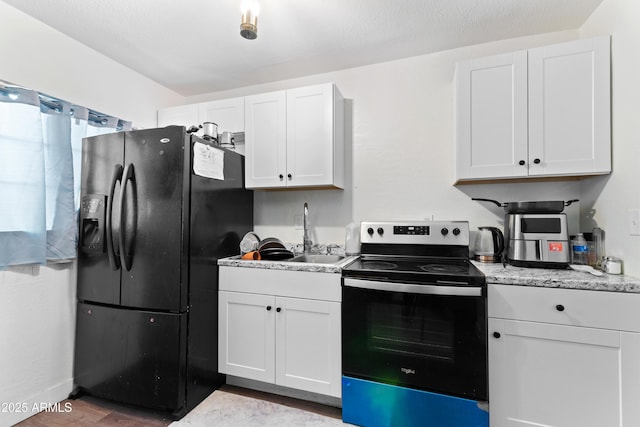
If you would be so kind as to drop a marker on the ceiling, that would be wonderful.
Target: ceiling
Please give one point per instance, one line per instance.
(194, 46)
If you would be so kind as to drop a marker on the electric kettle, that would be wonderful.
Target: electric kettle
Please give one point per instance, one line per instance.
(489, 245)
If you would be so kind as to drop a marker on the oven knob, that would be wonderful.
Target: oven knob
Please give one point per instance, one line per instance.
(456, 231)
(380, 231)
(444, 231)
(370, 231)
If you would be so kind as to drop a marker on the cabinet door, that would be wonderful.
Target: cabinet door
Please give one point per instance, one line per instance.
(246, 336)
(310, 150)
(491, 103)
(265, 140)
(308, 345)
(228, 114)
(131, 356)
(182, 115)
(542, 374)
(569, 108)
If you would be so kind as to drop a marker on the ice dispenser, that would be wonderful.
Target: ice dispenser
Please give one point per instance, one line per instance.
(92, 223)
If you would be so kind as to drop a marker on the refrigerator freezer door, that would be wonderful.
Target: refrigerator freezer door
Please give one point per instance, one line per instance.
(155, 198)
(98, 278)
(148, 369)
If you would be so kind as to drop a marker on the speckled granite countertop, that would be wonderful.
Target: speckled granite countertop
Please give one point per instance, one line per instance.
(552, 278)
(235, 261)
(495, 273)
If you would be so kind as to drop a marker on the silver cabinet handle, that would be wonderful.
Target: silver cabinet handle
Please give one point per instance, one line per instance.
(472, 291)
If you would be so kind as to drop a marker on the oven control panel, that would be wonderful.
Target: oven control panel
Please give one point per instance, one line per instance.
(410, 230)
(425, 233)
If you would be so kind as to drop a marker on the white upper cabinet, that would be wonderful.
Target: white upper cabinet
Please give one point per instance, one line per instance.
(295, 138)
(265, 139)
(182, 115)
(492, 116)
(535, 113)
(311, 146)
(228, 114)
(569, 108)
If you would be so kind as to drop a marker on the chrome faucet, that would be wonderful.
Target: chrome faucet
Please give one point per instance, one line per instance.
(306, 241)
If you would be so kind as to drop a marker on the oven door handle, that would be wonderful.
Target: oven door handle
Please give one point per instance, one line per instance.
(467, 291)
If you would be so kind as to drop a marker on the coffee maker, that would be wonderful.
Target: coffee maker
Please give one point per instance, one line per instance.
(536, 234)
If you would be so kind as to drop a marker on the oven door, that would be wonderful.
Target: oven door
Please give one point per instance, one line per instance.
(423, 336)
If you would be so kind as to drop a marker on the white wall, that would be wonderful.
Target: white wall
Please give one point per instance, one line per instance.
(400, 129)
(401, 134)
(37, 306)
(40, 58)
(614, 195)
(37, 326)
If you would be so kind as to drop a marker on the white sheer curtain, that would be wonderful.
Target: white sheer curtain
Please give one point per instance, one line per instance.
(58, 173)
(40, 161)
(22, 186)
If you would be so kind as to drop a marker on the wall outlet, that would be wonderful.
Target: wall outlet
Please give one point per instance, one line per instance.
(298, 221)
(634, 222)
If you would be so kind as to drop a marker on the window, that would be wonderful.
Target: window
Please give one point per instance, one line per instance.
(40, 156)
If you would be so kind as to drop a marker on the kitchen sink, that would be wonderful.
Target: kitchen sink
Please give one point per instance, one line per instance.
(318, 258)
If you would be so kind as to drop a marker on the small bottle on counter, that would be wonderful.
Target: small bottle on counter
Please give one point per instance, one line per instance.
(598, 240)
(579, 250)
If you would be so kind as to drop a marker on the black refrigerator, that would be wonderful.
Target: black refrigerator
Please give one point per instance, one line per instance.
(150, 233)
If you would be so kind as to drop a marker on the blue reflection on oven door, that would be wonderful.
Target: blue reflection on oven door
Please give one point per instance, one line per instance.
(371, 404)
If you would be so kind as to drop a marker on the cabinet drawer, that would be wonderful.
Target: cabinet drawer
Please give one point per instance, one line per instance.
(295, 284)
(596, 309)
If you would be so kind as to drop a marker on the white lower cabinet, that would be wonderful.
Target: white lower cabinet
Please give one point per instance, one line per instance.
(308, 345)
(246, 333)
(563, 373)
(274, 338)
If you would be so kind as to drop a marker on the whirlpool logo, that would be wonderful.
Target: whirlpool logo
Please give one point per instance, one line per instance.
(408, 371)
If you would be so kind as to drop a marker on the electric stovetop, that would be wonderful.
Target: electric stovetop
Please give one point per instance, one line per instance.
(407, 269)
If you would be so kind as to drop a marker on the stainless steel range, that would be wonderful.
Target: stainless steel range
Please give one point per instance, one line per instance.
(414, 328)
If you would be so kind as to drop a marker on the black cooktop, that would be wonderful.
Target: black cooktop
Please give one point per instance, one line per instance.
(454, 271)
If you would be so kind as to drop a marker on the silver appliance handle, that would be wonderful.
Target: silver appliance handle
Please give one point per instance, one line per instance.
(410, 288)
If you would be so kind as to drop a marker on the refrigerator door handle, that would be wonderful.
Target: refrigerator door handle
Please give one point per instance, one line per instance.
(126, 250)
(114, 260)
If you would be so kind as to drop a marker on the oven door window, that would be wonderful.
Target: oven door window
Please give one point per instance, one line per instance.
(429, 342)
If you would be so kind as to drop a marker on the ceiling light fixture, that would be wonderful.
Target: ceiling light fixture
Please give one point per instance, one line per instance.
(249, 26)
